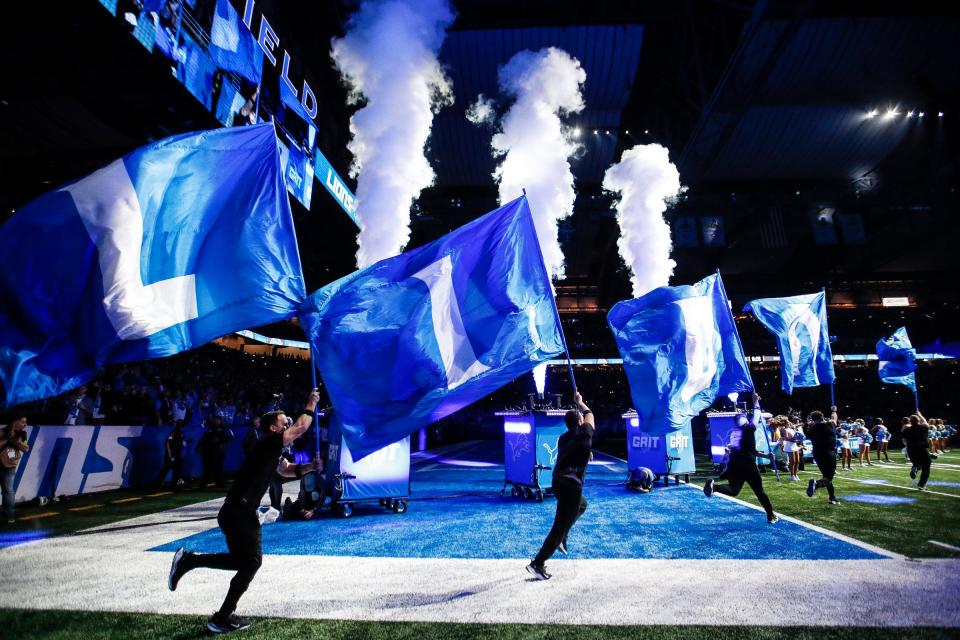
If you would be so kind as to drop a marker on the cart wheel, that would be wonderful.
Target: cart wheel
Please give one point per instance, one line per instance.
(515, 492)
(528, 493)
(686, 478)
(539, 495)
(400, 506)
(383, 502)
(344, 510)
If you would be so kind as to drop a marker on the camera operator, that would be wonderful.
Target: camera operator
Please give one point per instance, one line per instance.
(238, 516)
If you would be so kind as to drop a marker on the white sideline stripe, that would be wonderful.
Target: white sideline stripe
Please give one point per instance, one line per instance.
(117, 575)
(802, 523)
(944, 545)
(896, 486)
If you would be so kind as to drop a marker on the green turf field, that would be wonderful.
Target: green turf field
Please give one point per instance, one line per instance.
(75, 625)
(901, 528)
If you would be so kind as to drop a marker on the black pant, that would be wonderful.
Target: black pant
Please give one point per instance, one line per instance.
(745, 471)
(171, 464)
(921, 460)
(213, 467)
(827, 464)
(570, 505)
(241, 528)
(275, 491)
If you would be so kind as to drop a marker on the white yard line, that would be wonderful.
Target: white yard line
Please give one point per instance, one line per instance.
(802, 523)
(944, 545)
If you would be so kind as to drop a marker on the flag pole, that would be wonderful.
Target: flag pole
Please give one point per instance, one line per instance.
(553, 300)
(316, 410)
(833, 401)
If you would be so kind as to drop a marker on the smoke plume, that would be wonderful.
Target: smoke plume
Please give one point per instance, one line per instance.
(533, 143)
(645, 179)
(388, 58)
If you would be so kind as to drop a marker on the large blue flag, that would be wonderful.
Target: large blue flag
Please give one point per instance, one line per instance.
(232, 46)
(680, 351)
(800, 325)
(169, 247)
(898, 360)
(416, 337)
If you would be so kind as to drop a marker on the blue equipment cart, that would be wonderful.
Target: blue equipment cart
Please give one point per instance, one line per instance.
(382, 476)
(529, 448)
(665, 455)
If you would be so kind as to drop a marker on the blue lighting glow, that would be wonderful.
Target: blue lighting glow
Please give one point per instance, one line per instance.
(515, 426)
(22, 537)
(876, 498)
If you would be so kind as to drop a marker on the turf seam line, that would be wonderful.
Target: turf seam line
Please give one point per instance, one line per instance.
(944, 545)
(833, 534)
(89, 506)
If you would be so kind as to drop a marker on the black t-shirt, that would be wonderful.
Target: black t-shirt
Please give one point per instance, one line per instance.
(823, 435)
(916, 437)
(743, 442)
(175, 443)
(257, 469)
(574, 453)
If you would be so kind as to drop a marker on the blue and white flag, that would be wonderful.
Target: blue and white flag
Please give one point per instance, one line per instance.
(165, 249)
(800, 325)
(232, 46)
(413, 338)
(898, 360)
(680, 351)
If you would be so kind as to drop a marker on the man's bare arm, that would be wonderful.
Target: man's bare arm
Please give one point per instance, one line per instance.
(304, 421)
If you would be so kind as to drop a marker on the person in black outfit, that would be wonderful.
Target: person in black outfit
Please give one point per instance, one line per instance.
(573, 454)
(742, 463)
(238, 516)
(916, 437)
(213, 446)
(823, 435)
(173, 457)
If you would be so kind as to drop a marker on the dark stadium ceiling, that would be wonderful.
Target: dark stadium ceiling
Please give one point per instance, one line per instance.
(757, 102)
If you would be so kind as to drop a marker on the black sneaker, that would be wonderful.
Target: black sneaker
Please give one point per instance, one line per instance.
(773, 520)
(833, 501)
(225, 624)
(811, 488)
(538, 571)
(178, 568)
(913, 473)
(708, 487)
(562, 548)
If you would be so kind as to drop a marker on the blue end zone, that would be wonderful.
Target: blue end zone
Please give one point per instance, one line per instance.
(456, 512)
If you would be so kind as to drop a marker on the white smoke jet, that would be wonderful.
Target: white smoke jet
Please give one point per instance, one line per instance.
(388, 57)
(534, 144)
(481, 112)
(645, 179)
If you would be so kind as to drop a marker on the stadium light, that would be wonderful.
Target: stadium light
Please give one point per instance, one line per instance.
(871, 114)
(940, 114)
(577, 132)
(595, 132)
(891, 113)
(627, 132)
(921, 114)
(909, 114)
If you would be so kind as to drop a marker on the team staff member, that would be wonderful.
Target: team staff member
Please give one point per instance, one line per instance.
(742, 463)
(573, 454)
(823, 435)
(238, 515)
(916, 438)
(13, 444)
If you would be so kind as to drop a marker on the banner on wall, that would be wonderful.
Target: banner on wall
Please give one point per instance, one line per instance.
(335, 185)
(80, 459)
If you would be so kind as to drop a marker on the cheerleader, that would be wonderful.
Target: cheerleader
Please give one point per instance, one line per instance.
(882, 439)
(865, 441)
(846, 456)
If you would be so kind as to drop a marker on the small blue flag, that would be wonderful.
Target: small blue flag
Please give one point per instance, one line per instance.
(413, 338)
(898, 360)
(680, 351)
(163, 250)
(232, 46)
(800, 325)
